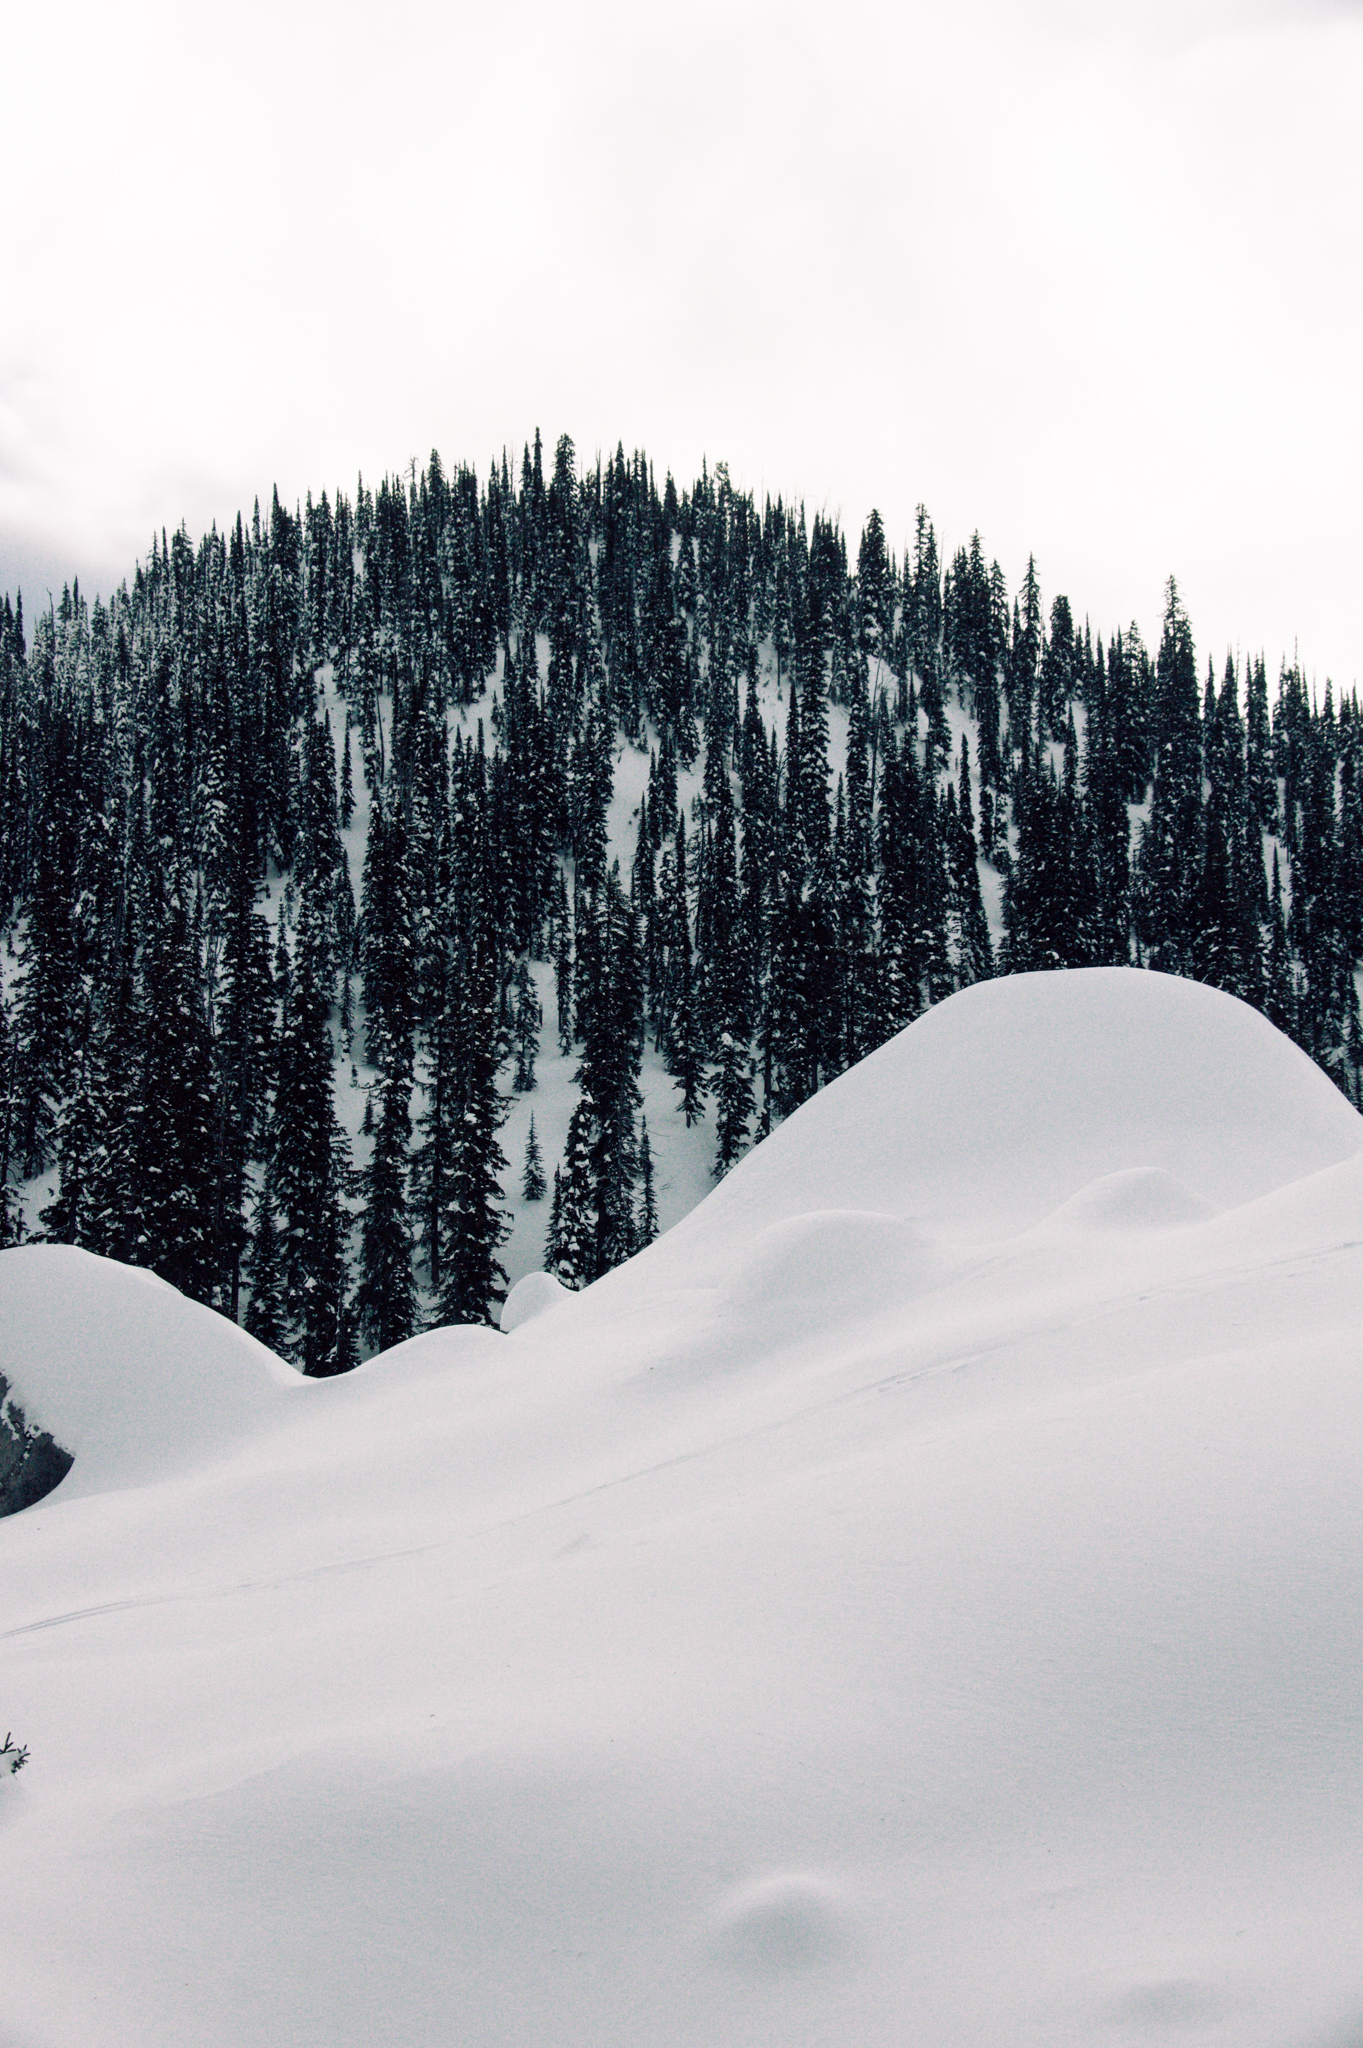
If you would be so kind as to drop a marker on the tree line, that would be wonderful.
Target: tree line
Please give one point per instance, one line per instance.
(188, 953)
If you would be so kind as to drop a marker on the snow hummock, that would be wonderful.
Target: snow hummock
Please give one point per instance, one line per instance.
(921, 1598)
(1002, 1103)
(530, 1297)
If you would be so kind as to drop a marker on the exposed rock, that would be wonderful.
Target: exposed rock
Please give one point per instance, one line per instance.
(31, 1461)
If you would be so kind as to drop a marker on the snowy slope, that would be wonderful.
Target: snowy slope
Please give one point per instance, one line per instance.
(921, 1599)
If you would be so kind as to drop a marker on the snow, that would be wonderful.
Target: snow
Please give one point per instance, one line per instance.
(530, 1297)
(144, 1381)
(920, 1599)
(1002, 1103)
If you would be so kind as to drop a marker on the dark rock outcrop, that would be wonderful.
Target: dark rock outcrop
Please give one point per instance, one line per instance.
(31, 1461)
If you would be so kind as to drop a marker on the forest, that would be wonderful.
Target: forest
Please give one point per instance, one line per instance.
(189, 960)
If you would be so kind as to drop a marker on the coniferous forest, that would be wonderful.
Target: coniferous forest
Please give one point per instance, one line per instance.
(190, 962)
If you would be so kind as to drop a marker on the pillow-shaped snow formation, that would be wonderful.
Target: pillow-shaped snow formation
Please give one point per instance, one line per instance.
(831, 1266)
(530, 1297)
(790, 1921)
(1141, 1198)
(981, 1118)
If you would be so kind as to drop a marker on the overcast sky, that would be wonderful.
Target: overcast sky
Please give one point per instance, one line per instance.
(1086, 277)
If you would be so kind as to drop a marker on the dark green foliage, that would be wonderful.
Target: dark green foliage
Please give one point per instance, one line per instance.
(732, 1085)
(1049, 891)
(308, 1166)
(178, 916)
(968, 943)
(264, 1316)
(9, 1208)
(387, 944)
(875, 583)
(472, 1224)
(612, 1054)
(385, 1298)
(570, 1245)
(346, 808)
(647, 1226)
(532, 1174)
(167, 1212)
(527, 1017)
(1170, 854)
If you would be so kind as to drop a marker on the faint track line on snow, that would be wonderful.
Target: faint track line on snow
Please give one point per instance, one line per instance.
(318, 1571)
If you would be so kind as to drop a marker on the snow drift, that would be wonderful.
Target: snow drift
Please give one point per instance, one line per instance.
(920, 1599)
(998, 1105)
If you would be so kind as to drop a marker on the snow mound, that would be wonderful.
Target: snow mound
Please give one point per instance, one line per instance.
(834, 1266)
(1142, 1198)
(530, 1297)
(828, 1629)
(130, 1377)
(793, 1920)
(1000, 1104)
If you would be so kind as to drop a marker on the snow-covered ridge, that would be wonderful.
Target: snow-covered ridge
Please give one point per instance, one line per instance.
(918, 1599)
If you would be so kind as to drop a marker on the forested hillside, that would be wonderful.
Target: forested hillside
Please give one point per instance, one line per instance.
(342, 788)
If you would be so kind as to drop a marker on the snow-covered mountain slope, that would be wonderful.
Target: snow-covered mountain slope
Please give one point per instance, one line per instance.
(920, 1599)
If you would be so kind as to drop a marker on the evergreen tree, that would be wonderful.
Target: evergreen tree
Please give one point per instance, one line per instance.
(570, 1248)
(161, 755)
(149, 1195)
(527, 1017)
(968, 941)
(473, 1224)
(385, 1298)
(612, 1055)
(10, 1217)
(532, 1175)
(875, 584)
(646, 1228)
(387, 947)
(308, 1157)
(1279, 994)
(686, 1057)
(67, 1218)
(684, 1039)
(563, 967)
(441, 1072)
(265, 1315)
(1170, 852)
(346, 808)
(733, 1101)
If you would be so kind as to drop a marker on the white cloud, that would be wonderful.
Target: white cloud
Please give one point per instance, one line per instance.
(1084, 277)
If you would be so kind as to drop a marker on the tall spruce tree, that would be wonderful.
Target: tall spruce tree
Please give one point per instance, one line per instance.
(570, 1246)
(308, 1159)
(265, 1312)
(473, 1224)
(646, 1228)
(532, 1173)
(386, 1297)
